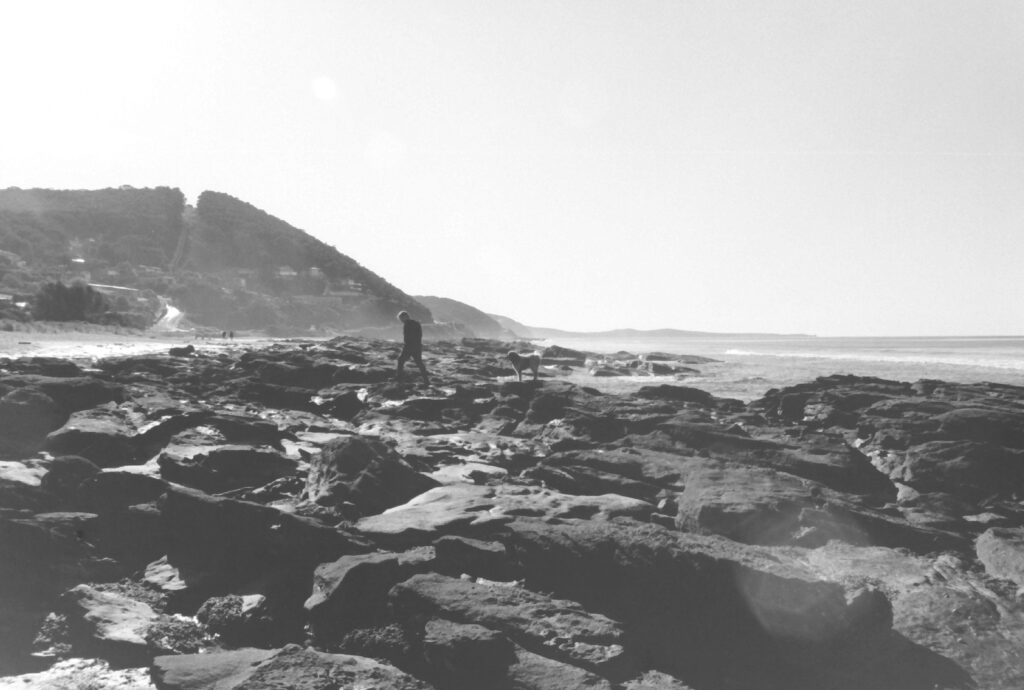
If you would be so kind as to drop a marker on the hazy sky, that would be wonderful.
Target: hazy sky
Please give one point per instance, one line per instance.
(838, 168)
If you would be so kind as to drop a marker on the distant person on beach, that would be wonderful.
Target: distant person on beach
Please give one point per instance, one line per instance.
(412, 347)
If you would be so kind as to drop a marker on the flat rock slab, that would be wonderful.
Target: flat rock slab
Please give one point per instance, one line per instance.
(275, 669)
(451, 509)
(555, 628)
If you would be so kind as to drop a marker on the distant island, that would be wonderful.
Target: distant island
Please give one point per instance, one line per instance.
(658, 333)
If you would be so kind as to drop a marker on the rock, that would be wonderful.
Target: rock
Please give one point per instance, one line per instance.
(217, 469)
(466, 655)
(708, 606)
(21, 487)
(835, 465)
(555, 628)
(289, 667)
(341, 404)
(763, 506)
(116, 490)
(655, 680)
(70, 394)
(985, 424)
(48, 366)
(166, 579)
(351, 592)
(107, 624)
(105, 435)
(539, 672)
(65, 474)
(1001, 551)
(222, 546)
(461, 556)
(952, 628)
(26, 415)
(46, 553)
(973, 470)
(365, 473)
(81, 673)
(470, 510)
(676, 394)
(184, 351)
(247, 429)
(242, 621)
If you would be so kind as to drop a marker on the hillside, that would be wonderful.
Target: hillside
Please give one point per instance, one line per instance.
(521, 330)
(448, 310)
(224, 262)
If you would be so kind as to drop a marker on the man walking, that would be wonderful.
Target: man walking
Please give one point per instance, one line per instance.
(412, 348)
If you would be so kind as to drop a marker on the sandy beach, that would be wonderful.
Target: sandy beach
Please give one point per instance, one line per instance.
(91, 346)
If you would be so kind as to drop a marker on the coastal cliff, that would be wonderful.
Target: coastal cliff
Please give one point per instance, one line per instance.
(289, 516)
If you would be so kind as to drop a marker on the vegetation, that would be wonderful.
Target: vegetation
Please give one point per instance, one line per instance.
(225, 263)
(75, 302)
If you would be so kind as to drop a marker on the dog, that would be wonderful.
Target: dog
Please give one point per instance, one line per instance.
(523, 361)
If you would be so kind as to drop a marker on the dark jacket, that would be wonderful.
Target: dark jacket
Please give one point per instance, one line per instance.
(412, 334)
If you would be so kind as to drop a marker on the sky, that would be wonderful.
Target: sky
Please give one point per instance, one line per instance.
(793, 166)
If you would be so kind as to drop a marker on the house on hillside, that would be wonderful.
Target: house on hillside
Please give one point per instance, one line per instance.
(348, 291)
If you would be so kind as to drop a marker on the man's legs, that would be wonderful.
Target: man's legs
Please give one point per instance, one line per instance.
(401, 364)
(418, 358)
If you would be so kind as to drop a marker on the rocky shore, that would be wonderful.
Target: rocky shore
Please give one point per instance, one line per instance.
(290, 517)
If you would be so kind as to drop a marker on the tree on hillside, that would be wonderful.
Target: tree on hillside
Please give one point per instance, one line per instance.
(75, 302)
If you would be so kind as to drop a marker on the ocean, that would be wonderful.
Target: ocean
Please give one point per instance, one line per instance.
(748, 366)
